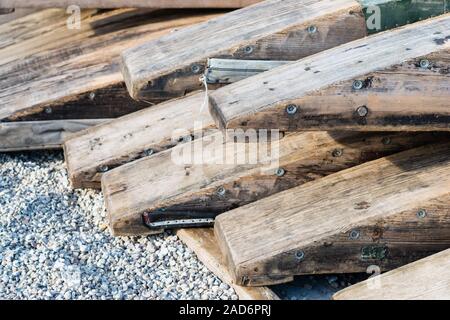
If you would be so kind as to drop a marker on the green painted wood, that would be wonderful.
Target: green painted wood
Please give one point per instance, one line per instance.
(387, 14)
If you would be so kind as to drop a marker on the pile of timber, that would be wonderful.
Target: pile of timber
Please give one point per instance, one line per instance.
(359, 118)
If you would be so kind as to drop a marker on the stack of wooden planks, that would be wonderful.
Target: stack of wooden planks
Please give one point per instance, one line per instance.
(110, 4)
(357, 123)
(55, 80)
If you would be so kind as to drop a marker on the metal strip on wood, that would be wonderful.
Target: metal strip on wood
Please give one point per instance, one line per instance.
(226, 71)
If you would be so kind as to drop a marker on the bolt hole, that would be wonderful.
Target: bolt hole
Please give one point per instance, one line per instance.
(291, 109)
(280, 172)
(386, 141)
(300, 255)
(248, 49)
(337, 153)
(312, 29)
(354, 234)
(221, 191)
(103, 168)
(422, 213)
(196, 68)
(362, 111)
(358, 84)
(424, 64)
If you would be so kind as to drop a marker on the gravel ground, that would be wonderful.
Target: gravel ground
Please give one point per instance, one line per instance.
(54, 244)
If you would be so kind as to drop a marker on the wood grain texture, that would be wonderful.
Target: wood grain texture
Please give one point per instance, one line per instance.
(426, 279)
(367, 215)
(37, 135)
(18, 13)
(50, 72)
(84, 172)
(203, 243)
(271, 30)
(109, 4)
(132, 137)
(161, 183)
(396, 93)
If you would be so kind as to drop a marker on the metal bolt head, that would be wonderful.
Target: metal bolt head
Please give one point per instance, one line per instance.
(149, 152)
(188, 138)
(422, 213)
(337, 153)
(354, 234)
(424, 63)
(312, 29)
(48, 110)
(386, 141)
(362, 111)
(248, 49)
(91, 96)
(300, 255)
(280, 172)
(195, 68)
(291, 109)
(358, 84)
(221, 191)
(103, 168)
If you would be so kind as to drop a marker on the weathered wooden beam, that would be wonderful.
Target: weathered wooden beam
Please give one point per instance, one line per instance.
(171, 66)
(110, 4)
(222, 71)
(51, 72)
(133, 136)
(24, 29)
(33, 135)
(166, 188)
(397, 80)
(426, 279)
(15, 14)
(385, 213)
(204, 245)
(147, 131)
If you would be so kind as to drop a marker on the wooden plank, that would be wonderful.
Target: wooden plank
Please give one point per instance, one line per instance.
(385, 213)
(203, 243)
(50, 72)
(109, 4)
(426, 279)
(147, 131)
(179, 187)
(34, 135)
(171, 66)
(395, 80)
(132, 137)
(108, 155)
(84, 171)
(10, 16)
